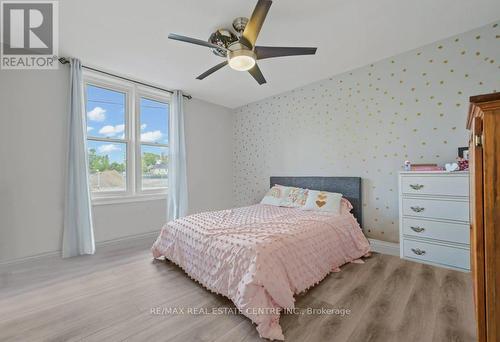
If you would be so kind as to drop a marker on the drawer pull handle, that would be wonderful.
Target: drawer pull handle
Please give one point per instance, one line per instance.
(417, 229)
(416, 186)
(417, 209)
(418, 251)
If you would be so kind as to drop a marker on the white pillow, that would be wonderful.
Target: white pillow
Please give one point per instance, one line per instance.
(323, 201)
(276, 195)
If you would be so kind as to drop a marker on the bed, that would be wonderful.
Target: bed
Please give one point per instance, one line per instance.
(260, 256)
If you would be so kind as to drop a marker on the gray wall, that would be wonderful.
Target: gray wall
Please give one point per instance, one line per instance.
(33, 125)
(367, 122)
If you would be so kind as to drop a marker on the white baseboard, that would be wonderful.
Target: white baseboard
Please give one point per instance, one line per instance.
(149, 235)
(384, 247)
(100, 244)
(378, 246)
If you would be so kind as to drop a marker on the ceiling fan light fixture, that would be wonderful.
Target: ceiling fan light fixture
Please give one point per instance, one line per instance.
(241, 60)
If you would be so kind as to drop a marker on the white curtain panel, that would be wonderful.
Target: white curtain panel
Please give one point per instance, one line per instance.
(177, 201)
(78, 235)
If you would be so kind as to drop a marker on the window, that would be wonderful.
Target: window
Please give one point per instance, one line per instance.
(127, 133)
(154, 143)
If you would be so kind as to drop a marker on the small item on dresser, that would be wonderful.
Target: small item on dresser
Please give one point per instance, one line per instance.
(463, 152)
(425, 167)
(407, 166)
(450, 167)
(463, 164)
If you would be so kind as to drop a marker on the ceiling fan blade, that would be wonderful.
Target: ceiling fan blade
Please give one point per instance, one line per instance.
(257, 74)
(272, 51)
(194, 41)
(255, 23)
(212, 70)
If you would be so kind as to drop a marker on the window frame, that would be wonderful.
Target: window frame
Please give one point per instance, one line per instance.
(154, 95)
(133, 93)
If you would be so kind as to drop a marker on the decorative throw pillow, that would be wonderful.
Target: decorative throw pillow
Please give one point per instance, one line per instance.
(323, 201)
(276, 195)
(296, 198)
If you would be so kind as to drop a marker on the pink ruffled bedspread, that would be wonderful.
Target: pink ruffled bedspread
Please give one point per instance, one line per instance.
(260, 256)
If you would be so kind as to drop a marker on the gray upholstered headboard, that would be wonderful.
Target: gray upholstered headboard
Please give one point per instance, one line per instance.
(349, 187)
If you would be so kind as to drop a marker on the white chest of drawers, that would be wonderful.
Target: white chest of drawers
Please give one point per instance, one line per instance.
(434, 218)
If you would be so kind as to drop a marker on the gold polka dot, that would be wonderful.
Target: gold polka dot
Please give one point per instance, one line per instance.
(445, 142)
(478, 53)
(440, 47)
(445, 61)
(478, 37)
(495, 25)
(456, 39)
(430, 60)
(463, 52)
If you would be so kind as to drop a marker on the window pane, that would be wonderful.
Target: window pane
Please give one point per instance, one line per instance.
(107, 165)
(105, 113)
(154, 167)
(154, 121)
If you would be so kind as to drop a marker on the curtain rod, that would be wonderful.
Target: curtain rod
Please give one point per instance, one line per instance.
(64, 60)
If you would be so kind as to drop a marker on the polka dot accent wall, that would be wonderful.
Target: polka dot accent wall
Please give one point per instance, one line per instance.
(367, 122)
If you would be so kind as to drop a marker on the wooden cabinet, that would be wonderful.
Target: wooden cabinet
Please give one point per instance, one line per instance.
(484, 153)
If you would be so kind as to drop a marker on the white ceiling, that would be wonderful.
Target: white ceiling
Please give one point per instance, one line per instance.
(129, 37)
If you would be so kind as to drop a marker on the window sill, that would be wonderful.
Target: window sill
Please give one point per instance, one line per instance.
(128, 199)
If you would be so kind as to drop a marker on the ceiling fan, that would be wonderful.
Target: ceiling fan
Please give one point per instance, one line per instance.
(239, 49)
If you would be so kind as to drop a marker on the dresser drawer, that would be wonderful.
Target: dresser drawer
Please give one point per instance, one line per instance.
(435, 253)
(438, 209)
(445, 231)
(438, 185)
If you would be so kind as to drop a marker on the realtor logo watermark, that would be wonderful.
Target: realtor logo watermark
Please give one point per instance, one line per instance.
(29, 33)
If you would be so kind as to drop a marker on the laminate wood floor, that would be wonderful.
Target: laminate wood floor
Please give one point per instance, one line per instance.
(109, 297)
